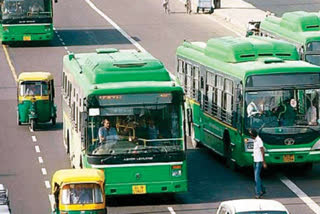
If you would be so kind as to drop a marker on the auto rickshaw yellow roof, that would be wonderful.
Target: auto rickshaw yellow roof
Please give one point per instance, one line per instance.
(35, 76)
(77, 176)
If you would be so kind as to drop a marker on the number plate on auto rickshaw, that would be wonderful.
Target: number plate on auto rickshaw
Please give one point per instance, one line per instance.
(139, 189)
(288, 158)
(26, 38)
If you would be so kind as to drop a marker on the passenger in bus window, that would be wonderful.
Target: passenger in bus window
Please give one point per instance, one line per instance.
(311, 115)
(107, 133)
(153, 131)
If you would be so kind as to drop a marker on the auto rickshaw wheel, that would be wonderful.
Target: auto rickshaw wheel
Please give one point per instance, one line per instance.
(33, 124)
(18, 119)
(54, 121)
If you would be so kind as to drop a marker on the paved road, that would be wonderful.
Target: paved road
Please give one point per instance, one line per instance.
(280, 7)
(80, 29)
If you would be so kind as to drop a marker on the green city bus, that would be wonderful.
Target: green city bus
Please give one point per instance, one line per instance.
(26, 20)
(236, 84)
(144, 106)
(299, 27)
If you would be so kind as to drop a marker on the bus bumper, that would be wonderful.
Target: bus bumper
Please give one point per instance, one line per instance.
(21, 33)
(285, 157)
(158, 187)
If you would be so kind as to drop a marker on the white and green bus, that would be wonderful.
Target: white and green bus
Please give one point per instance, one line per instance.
(236, 84)
(144, 108)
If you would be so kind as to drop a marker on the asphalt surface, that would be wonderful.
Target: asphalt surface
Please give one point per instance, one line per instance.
(80, 29)
(280, 7)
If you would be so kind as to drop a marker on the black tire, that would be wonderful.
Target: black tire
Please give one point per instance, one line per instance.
(33, 124)
(197, 9)
(18, 119)
(211, 10)
(202, 10)
(54, 121)
(217, 4)
(228, 152)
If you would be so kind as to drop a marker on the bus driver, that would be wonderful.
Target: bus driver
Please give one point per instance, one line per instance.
(107, 133)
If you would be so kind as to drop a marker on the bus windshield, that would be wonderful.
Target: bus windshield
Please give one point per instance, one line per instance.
(283, 108)
(313, 58)
(135, 129)
(16, 9)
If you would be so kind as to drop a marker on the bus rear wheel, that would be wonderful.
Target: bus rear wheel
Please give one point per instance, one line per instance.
(228, 152)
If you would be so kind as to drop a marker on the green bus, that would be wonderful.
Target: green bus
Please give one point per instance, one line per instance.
(299, 27)
(26, 20)
(236, 84)
(143, 150)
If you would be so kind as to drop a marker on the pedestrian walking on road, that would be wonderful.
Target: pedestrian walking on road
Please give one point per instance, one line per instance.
(165, 5)
(188, 6)
(259, 162)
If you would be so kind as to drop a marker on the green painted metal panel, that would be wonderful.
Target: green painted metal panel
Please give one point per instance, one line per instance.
(44, 110)
(299, 26)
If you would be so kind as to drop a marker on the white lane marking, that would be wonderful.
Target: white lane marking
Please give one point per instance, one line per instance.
(171, 210)
(51, 199)
(294, 188)
(44, 171)
(40, 159)
(30, 129)
(47, 183)
(135, 43)
(37, 149)
(34, 139)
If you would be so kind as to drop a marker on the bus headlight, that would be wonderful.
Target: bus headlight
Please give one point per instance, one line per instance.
(316, 146)
(248, 144)
(176, 170)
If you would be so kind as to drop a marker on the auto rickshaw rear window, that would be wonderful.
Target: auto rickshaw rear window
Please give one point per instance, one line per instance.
(81, 194)
(34, 88)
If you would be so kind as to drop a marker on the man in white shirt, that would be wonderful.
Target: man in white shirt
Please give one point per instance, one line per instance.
(311, 115)
(259, 161)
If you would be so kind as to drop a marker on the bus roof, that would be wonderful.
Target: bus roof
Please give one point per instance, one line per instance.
(77, 176)
(240, 57)
(35, 76)
(118, 71)
(299, 26)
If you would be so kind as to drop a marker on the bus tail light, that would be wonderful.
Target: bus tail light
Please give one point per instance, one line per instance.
(316, 146)
(176, 170)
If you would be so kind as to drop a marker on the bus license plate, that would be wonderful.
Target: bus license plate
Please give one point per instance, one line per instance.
(26, 38)
(139, 189)
(288, 158)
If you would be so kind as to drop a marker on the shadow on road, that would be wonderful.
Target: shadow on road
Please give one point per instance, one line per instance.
(49, 127)
(80, 37)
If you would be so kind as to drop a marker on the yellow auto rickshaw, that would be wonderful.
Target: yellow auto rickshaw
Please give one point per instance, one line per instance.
(78, 191)
(36, 99)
